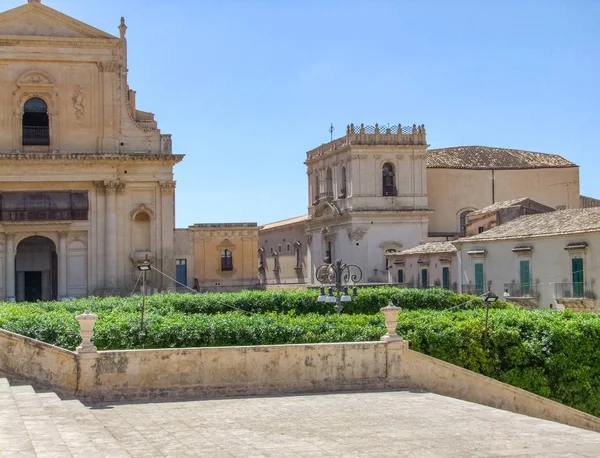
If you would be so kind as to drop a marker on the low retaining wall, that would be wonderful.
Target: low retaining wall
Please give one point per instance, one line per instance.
(116, 375)
(44, 364)
(110, 375)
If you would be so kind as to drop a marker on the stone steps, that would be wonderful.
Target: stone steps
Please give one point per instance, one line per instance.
(41, 424)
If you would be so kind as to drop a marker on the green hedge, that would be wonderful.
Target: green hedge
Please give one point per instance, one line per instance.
(121, 330)
(553, 354)
(368, 302)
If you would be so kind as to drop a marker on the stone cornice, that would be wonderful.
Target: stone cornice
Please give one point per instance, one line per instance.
(61, 42)
(92, 157)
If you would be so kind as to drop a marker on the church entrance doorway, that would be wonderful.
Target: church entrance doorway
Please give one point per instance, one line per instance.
(36, 270)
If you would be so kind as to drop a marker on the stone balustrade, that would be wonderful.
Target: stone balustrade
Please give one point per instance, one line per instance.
(373, 135)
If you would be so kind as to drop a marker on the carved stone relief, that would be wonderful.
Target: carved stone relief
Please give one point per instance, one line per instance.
(356, 234)
(78, 98)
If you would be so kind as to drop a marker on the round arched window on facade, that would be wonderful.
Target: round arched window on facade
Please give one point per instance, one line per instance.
(36, 131)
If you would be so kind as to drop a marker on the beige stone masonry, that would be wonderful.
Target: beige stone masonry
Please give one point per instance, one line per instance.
(45, 364)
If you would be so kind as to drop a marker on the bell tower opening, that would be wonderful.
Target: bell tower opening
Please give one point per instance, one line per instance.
(36, 125)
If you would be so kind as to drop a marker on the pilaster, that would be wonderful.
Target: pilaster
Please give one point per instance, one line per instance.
(167, 198)
(9, 257)
(62, 265)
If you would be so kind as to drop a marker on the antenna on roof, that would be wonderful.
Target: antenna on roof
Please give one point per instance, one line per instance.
(331, 129)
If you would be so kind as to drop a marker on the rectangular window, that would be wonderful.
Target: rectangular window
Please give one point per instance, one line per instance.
(479, 281)
(480, 229)
(424, 278)
(279, 249)
(288, 247)
(400, 276)
(525, 278)
(577, 275)
(226, 261)
(181, 272)
(446, 277)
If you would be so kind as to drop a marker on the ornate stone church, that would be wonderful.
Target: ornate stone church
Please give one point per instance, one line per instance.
(87, 190)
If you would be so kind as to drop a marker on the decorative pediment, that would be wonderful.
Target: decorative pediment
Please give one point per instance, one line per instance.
(38, 20)
(391, 245)
(35, 78)
(226, 245)
(326, 209)
(141, 209)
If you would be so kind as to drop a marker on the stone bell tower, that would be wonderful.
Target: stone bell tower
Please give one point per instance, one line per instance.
(367, 195)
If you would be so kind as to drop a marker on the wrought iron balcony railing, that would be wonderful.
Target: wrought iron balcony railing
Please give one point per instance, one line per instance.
(43, 215)
(573, 291)
(390, 191)
(36, 136)
(520, 290)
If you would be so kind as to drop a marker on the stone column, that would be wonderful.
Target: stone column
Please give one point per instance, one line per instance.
(110, 234)
(10, 267)
(167, 192)
(62, 265)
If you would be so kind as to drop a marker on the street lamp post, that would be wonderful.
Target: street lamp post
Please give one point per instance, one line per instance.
(144, 267)
(489, 297)
(337, 276)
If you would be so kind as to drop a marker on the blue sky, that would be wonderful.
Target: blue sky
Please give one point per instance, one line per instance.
(247, 87)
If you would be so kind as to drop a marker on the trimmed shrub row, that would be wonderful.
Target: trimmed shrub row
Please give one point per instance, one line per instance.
(368, 302)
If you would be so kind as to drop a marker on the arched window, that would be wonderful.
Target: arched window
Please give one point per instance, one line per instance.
(389, 180)
(463, 222)
(226, 261)
(343, 190)
(36, 130)
(329, 183)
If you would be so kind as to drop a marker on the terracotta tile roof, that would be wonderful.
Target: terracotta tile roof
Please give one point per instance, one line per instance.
(485, 157)
(573, 221)
(588, 202)
(498, 206)
(285, 222)
(428, 248)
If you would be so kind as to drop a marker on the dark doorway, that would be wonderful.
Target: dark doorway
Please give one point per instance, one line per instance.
(36, 126)
(36, 270)
(33, 286)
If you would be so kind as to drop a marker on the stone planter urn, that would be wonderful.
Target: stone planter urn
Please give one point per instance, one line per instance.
(86, 329)
(391, 322)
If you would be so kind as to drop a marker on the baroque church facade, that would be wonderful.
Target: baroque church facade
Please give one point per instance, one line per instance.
(87, 188)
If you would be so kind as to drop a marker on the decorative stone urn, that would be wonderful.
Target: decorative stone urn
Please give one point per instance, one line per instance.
(86, 329)
(391, 322)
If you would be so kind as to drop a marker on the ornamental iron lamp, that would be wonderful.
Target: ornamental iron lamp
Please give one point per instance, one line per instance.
(144, 267)
(338, 275)
(488, 297)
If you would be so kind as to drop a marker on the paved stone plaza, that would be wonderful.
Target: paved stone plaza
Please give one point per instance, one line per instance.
(377, 424)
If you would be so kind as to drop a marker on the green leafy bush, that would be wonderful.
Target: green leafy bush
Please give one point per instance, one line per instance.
(554, 354)
(369, 301)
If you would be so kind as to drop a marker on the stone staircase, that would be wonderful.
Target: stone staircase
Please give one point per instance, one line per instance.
(40, 424)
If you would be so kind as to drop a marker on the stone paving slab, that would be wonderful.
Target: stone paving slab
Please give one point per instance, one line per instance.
(365, 424)
(378, 424)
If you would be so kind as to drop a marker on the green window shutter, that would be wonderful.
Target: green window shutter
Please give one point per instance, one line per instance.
(400, 276)
(424, 278)
(446, 277)
(577, 272)
(525, 278)
(479, 282)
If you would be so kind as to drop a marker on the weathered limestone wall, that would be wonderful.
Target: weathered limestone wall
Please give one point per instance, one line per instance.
(234, 370)
(421, 371)
(37, 361)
